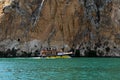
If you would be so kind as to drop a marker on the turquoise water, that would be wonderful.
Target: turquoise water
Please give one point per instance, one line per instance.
(60, 69)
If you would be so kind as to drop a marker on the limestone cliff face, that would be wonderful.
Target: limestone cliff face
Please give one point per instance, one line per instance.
(63, 23)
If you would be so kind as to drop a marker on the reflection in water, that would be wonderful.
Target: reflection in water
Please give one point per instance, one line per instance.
(59, 69)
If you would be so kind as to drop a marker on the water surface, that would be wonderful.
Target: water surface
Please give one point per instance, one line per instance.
(60, 69)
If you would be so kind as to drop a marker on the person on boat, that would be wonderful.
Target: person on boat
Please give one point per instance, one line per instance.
(60, 52)
(43, 52)
(54, 51)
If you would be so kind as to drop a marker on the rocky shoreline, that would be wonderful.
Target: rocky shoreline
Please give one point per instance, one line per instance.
(14, 48)
(97, 49)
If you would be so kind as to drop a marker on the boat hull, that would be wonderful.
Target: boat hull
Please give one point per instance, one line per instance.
(57, 57)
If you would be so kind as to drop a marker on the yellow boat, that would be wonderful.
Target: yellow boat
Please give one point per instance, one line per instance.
(57, 57)
(49, 55)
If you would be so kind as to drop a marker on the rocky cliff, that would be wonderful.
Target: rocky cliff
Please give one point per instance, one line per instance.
(88, 25)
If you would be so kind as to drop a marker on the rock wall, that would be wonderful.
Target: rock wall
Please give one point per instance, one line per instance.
(85, 24)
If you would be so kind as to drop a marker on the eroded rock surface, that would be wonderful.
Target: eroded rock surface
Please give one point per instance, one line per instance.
(61, 23)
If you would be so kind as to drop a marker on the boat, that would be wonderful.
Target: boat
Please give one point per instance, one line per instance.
(57, 57)
(51, 54)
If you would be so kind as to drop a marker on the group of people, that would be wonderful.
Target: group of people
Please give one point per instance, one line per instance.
(50, 52)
